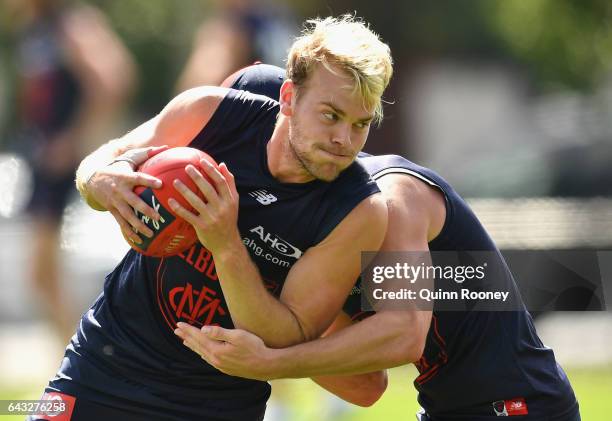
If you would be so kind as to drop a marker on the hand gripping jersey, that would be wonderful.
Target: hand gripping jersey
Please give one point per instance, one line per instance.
(478, 365)
(125, 351)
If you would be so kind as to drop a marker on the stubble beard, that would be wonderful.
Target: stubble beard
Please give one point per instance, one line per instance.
(311, 168)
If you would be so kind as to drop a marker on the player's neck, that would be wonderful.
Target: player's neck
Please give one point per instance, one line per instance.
(282, 162)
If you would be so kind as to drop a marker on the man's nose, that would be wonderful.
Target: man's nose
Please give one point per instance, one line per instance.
(342, 134)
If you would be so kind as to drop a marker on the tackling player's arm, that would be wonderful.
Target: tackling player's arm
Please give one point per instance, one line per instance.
(386, 339)
(108, 185)
(315, 288)
(359, 389)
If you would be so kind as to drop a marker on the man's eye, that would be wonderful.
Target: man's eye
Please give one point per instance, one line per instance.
(330, 116)
(363, 125)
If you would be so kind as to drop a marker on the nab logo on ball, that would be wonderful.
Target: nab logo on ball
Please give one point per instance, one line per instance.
(148, 196)
(171, 234)
(166, 218)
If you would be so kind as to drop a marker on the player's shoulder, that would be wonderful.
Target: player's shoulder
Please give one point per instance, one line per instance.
(196, 100)
(367, 221)
(199, 94)
(406, 188)
(419, 201)
(370, 214)
(403, 180)
(203, 101)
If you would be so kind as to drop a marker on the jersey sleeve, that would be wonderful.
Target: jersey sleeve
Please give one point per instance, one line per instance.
(239, 111)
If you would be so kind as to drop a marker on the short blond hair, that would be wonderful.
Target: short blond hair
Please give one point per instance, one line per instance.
(349, 44)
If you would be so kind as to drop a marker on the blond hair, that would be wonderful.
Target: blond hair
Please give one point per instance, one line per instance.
(349, 44)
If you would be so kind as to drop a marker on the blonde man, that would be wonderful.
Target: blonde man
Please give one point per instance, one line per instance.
(280, 234)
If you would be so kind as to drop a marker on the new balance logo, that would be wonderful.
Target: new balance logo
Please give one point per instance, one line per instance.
(263, 197)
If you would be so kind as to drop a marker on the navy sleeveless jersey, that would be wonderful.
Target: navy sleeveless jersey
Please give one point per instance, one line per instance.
(125, 349)
(473, 359)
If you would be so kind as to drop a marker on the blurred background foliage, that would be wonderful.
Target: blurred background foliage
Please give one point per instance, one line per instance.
(562, 43)
(550, 60)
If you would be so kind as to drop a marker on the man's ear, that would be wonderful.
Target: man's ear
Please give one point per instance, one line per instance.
(286, 98)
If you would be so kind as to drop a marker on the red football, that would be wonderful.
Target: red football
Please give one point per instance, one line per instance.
(171, 234)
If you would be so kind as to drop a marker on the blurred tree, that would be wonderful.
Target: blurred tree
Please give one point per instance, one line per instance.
(562, 42)
(566, 42)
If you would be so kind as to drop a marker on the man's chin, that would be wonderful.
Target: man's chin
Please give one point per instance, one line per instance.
(327, 173)
(328, 179)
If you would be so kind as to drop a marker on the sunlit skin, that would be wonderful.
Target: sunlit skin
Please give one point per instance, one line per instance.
(327, 126)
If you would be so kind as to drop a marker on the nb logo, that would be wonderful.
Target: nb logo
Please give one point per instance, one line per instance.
(263, 197)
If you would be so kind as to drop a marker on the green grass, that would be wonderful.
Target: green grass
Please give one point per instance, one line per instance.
(18, 392)
(592, 386)
(305, 401)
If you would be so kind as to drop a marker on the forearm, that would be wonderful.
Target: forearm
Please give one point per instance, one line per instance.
(95, 161)
(358, 389)
(251, 306)
(382, 341)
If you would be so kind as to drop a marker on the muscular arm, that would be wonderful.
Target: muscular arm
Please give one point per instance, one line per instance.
(109, 187)
(359, 389)
(316, 285)
(386, 339)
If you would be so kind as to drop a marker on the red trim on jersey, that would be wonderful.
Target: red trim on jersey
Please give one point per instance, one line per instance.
(361, 315)
(425, 368)
(158, 291)
(437, 333)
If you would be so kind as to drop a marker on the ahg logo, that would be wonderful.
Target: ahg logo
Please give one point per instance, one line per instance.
(263, 197)
(277, 243)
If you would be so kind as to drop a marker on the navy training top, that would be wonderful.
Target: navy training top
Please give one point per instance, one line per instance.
(475, 362)
(125, 351)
